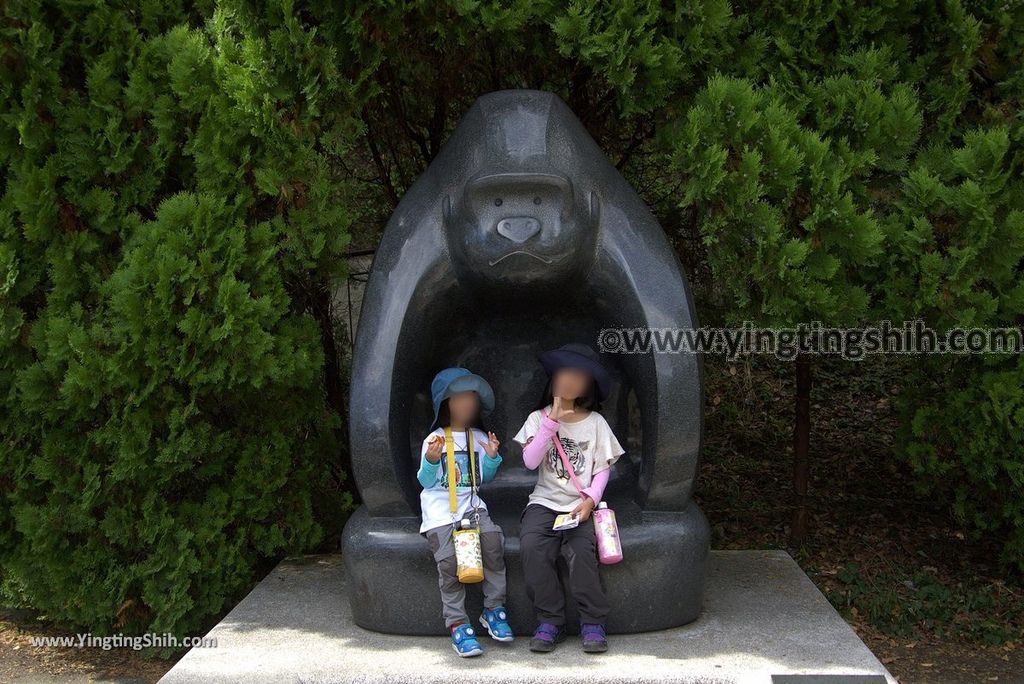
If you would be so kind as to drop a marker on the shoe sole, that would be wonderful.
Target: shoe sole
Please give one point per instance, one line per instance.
(467, 654)
(595, 648)
(487, 626)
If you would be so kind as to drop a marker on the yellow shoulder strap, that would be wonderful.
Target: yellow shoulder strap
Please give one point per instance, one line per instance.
(449, 445)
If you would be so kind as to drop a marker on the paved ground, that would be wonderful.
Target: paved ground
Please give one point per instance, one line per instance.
(762, 617)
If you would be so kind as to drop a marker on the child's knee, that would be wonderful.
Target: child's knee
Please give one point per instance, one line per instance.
(448, 568)
(530, 541)
(581, 549)
(492, 547)
(492, 541)
(443, 549)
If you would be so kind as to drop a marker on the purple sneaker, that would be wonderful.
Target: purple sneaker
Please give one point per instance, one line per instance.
(594, 640)
(545, 637)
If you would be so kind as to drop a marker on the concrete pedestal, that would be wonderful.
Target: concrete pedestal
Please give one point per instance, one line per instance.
(763, 621)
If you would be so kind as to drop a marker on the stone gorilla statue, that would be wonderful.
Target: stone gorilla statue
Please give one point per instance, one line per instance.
(521, 237)
(521, 229)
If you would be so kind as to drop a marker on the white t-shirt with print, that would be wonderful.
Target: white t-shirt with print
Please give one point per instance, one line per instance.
(434, 506)
(589, 444)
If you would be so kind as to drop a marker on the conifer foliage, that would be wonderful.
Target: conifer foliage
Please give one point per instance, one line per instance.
(170, 215)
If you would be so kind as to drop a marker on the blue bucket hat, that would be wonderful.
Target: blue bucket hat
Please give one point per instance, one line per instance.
(579, 356)
(454, 380)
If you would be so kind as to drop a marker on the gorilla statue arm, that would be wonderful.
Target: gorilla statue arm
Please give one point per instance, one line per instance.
(410, 268)
(637, 283)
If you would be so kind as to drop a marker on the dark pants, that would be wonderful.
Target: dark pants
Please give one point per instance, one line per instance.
(540, 547)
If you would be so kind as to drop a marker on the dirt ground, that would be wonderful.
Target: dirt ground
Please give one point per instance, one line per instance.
(872, 542)
(20, 661)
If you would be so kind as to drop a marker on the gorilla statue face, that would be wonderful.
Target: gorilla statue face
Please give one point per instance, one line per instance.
(521, 229)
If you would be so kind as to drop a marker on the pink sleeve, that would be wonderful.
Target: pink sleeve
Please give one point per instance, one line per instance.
(596, 489)
(533, 453)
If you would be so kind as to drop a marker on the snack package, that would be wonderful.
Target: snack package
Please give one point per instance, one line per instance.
(566, 521)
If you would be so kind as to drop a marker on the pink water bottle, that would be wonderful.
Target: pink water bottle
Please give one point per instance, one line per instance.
(609, 547)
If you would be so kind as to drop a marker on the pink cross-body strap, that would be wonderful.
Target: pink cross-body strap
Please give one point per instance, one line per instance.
(565, 459)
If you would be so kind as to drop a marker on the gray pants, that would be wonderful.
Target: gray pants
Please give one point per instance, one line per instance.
(453, 592)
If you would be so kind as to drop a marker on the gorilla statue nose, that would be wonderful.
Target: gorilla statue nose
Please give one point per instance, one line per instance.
(518, 228)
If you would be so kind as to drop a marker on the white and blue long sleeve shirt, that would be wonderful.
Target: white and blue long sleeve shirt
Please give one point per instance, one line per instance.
(434, 504)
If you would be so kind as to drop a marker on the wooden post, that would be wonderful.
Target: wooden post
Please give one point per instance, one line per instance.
(801, 449)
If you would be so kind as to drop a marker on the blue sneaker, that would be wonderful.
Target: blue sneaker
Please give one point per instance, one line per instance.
(464, 641)
(495, 620)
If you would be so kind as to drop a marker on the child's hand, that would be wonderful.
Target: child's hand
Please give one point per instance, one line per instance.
(584, 509)
(434, 447)
(560, 408)
(492, 445)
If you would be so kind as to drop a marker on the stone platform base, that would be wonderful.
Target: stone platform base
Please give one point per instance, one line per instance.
(763, 621)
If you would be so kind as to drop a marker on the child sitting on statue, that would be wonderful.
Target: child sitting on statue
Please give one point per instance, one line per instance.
(456, 457)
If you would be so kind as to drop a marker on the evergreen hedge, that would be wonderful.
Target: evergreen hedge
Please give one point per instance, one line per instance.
(172, 215)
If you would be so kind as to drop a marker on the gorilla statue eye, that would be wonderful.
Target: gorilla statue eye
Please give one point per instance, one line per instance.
(497, 201)
(536, 200)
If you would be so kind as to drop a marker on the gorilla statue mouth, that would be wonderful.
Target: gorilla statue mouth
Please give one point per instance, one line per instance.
(539, 258)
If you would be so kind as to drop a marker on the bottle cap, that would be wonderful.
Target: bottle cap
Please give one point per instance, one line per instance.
(465, 524)
(602, 505)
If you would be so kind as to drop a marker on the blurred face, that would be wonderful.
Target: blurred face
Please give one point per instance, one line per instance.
(463, 407)
(570, 383)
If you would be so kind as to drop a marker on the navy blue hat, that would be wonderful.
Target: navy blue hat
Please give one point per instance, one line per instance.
(580, 356)
(454, 380)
